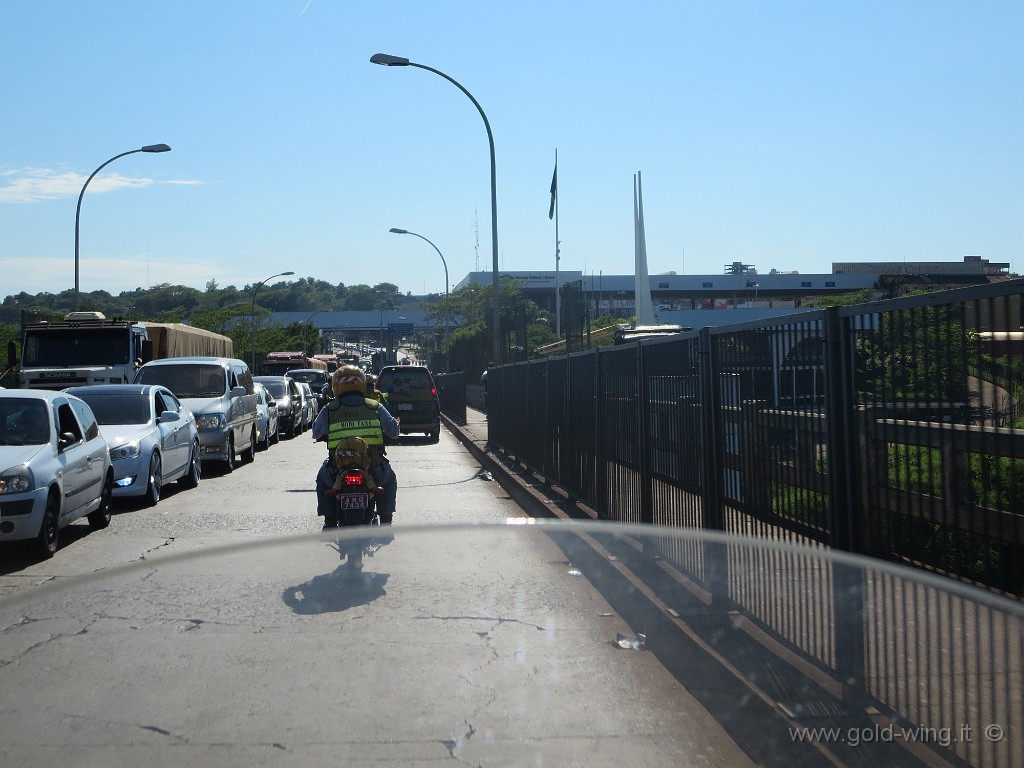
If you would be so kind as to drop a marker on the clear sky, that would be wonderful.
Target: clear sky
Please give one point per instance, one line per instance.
(785, 134)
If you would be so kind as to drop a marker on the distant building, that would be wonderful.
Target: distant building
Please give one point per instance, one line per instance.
(971, 265)
(690, 300)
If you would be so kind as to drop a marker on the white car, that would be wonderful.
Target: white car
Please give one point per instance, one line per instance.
(54, 467)
(267, 419)
(152, 437)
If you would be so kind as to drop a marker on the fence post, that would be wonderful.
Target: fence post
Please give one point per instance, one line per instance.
(714, 449)
(716, 555)
(600, 444)
(644, 459)
(848, 585)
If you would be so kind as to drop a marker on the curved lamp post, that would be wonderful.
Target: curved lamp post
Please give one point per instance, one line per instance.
(388, 60)
(253, 314)
(307, 323)
(78, 210)
(447, 306)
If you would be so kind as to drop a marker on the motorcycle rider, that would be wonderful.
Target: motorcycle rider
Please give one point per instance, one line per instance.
(352, 414)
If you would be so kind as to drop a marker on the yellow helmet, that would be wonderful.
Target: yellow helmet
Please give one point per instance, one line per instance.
(348, 378)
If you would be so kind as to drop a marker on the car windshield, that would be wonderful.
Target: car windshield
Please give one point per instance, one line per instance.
(396, 382)
(23, 421)
(186, 381)
(277, 389)
(120, 408)
(308, 377)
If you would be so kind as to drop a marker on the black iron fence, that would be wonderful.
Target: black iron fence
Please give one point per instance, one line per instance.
(451, 395)
(891, 429)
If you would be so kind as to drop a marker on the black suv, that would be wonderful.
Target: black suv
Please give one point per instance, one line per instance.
(410, 395)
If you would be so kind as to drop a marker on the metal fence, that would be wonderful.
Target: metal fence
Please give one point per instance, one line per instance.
(451, 395)
(892, 430)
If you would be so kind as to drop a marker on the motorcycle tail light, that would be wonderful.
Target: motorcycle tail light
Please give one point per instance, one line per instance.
(352, 478)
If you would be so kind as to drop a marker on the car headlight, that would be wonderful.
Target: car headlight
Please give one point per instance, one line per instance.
(17, 480)
(127, 451)
(210, 421)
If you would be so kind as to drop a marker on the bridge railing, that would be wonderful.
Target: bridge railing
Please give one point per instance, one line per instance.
(890, 429)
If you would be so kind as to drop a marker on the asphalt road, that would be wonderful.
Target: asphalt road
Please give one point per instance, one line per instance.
(273, 496)
(221, 628)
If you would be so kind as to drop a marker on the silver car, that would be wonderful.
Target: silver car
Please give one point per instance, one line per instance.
(152, 437)
(309, 404)
(54, 467)
(267, 418)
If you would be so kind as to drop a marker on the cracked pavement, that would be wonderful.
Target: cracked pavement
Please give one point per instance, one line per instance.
(208, 631)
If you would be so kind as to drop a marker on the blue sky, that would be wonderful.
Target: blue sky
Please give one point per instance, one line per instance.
(782, 134)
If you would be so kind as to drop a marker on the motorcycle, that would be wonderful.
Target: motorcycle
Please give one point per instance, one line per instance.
(354, 491)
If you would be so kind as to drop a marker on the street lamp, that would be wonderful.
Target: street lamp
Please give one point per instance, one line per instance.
(388, 60)
(447, 306)
(78, 210)
(253, 314)
(308, 324)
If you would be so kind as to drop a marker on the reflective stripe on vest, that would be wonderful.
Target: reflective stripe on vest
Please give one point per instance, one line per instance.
(353, 421)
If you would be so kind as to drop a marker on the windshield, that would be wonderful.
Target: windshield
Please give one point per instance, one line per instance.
(122, 408)
(506, 644)
(309, 377)
(65, 347)
(277, 389)
(406, 381)
(186, 380)
(23, 421)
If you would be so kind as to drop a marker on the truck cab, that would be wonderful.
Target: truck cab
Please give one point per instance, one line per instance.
(86, 348)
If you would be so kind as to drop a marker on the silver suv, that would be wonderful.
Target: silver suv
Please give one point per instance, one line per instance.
(220, 393)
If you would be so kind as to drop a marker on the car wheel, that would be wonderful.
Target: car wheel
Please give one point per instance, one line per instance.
(101, 517)
(191, 478)
(249, 454)
(46, 542)
(229, 462)
(156, 480)
(276, 437)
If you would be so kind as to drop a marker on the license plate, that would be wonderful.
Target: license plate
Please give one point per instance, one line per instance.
(354, 501)
(405, 406)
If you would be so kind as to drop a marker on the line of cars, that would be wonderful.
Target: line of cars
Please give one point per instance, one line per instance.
(69, 454)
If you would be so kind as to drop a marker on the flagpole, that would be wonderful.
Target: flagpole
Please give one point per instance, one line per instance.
(558, 291)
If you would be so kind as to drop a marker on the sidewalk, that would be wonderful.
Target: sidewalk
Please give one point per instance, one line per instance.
(720, 659)
(473, 433)
(535, 498)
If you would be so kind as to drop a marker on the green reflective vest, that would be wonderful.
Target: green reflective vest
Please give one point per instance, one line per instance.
(355, 421)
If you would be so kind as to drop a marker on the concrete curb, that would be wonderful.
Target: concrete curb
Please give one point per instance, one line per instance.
(515, 484)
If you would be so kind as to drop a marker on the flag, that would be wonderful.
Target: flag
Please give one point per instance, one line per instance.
(554, 192)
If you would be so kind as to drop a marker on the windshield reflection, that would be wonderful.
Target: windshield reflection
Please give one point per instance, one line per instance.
(513, 644)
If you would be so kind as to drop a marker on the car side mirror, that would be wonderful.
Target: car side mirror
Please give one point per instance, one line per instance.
(169, 416)
(271, 402)
(66, 440)
(237, 392)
